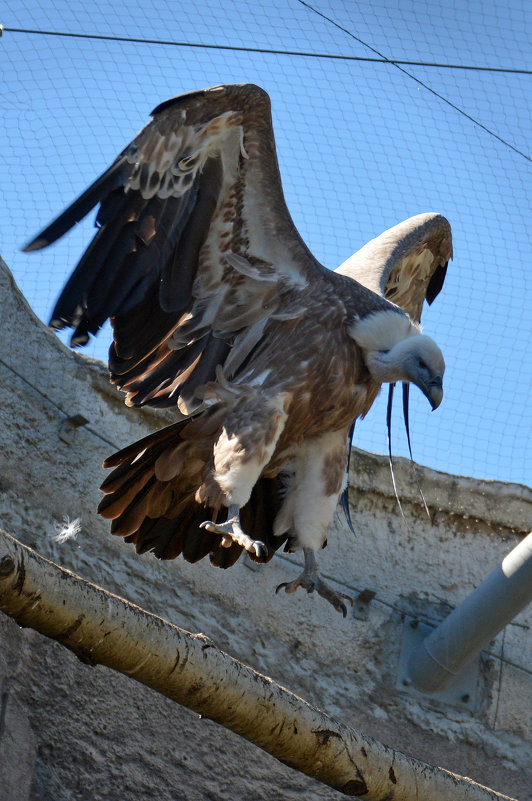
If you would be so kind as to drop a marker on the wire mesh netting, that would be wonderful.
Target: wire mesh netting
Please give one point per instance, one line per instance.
(362, 142)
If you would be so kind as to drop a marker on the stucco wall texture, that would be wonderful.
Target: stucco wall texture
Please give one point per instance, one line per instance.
(70, 732)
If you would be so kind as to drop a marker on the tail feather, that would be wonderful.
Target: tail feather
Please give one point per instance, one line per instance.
(166, 500)
(197, 542)
(115, 503)
(130, 452)
(130, 518)
(124, 474)
(225, 557)
(160, 536)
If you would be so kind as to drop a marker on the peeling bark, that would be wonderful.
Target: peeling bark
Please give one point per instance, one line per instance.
(101, 628)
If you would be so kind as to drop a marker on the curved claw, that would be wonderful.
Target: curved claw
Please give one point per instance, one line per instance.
(341, 607)
(260, 550)
(334, 598)
(287, 587)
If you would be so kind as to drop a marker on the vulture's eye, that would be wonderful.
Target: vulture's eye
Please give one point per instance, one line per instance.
(423, 364)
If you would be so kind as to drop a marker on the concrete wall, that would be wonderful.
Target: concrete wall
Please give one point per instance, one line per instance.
(69, 731)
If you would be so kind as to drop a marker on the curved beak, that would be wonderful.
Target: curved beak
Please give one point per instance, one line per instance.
(433, 391)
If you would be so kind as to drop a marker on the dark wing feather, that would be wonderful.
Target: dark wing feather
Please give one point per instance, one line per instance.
(103, 187)
(195, 246)
(407, 263)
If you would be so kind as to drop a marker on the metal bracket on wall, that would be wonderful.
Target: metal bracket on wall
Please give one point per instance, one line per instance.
(69, 426)
(461, 692)
(361, 604)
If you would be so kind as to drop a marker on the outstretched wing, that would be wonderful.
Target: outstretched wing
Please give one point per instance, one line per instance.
(195, 247)
(407, 263)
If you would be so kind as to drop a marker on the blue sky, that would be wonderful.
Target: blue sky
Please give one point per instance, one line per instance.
(361, 145)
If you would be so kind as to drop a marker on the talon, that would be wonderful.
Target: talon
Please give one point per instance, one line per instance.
(311, 581)
(209, 526)
(291, 586)
(260, 549)
(286, 587)
(232, 533)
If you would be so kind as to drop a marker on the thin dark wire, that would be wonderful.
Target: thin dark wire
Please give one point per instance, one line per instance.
(382, 59)
(270, 51)
(54, 404)
(417, 80)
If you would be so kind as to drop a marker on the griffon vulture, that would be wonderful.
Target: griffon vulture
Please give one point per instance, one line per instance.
(219, 309)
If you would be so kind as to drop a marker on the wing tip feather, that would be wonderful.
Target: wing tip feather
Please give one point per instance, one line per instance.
(38, 243)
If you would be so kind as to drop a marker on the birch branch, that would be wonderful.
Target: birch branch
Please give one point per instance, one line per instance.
(101, 628)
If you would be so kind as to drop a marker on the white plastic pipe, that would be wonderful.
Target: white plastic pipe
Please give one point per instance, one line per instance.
(461, 636)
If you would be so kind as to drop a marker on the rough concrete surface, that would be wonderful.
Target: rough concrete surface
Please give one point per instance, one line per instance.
(88, 733)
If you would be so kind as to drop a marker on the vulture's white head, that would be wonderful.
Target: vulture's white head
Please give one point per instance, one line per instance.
(396, 350)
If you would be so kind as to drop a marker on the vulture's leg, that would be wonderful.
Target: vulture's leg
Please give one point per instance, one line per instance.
(310, 580)
(309, 505)
(232, 531)
(241, 452)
